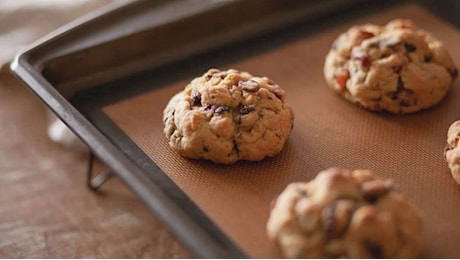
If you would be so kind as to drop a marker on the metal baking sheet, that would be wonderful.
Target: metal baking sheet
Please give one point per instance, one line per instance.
(109, 76)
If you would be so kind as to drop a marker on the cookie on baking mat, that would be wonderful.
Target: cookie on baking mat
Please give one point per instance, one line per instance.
(397, 68)
(452, 151)
(226, 116)
(344, 213)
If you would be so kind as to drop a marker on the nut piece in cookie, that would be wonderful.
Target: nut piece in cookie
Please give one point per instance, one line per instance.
(345, 214)
(226, 116)
(397, 68)
(452, 151)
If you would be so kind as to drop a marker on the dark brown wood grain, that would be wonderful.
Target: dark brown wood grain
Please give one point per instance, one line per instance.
(46, 211)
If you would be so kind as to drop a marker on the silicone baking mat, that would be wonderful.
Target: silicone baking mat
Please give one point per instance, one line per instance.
(328, 131)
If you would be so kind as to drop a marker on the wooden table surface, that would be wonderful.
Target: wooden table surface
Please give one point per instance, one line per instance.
(46, 211)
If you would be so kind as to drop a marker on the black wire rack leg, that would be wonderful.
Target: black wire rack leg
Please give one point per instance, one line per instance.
(94, 183)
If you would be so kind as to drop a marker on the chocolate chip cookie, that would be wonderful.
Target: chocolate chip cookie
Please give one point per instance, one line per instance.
(345, 214)
(452, 151)
(397, 68)
(226, 116)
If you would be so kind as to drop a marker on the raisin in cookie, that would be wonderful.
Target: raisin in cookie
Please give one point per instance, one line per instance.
(226, 116)
(397, 68)
(345, 214)
(452, 152)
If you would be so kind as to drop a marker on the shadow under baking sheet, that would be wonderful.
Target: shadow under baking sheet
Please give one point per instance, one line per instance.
(328, 132)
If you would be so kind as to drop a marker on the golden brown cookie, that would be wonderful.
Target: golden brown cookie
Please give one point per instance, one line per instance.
(452, 151)
(345, 214)
(226, 116)
(397, 68)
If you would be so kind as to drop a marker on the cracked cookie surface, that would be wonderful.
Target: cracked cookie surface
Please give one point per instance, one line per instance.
(397, 68)
(226, 116)
(345, 214)
(452, 151)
